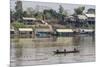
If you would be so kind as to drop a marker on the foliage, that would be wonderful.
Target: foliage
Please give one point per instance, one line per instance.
(12, 16)
(79, 10)
(61, 9)
(25, 14)
(61, 13)
(49, 14)
(38, 15)
(18, 25)
(18, 14)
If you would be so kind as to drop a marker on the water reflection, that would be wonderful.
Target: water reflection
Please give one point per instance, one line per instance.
(40, 50)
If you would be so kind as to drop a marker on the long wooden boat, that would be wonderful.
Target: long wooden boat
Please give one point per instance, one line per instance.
(66, 52)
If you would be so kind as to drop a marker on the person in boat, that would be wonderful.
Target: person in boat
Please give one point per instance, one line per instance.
(75, 49)
(57, 50)
(64, 50)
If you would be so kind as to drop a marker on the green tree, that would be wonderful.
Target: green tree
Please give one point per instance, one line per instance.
(61, 9)
(38, 15)
(79, 10)
(12, 16)
(61, 14)
(30, 12)
(25, 14)
(19, 12)
(18, 25)
(49, 14)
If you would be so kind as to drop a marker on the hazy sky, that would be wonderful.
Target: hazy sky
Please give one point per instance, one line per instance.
(55, 6)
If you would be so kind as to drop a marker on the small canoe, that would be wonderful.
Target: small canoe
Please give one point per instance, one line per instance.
(66, 52)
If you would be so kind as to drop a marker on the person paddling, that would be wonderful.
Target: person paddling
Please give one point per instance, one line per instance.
(75, 49)
(64, 50)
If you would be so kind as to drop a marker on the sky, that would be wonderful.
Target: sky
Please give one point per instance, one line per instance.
(48, 5)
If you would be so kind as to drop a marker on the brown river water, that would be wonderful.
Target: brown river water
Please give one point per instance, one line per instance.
(39, 51)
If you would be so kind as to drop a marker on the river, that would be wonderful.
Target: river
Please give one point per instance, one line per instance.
(39, 51)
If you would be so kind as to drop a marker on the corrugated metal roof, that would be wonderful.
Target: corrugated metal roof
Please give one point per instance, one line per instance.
(12, 30)
(82, 17)
(43, 30)
(64, 30)
(28, 18)
(90, 15)
(25, 29)
(87, 30)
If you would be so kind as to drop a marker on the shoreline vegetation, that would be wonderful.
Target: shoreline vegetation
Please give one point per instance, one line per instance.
(47, 21)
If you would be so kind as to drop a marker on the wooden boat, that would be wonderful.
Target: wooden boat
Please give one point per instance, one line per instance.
(65, 52)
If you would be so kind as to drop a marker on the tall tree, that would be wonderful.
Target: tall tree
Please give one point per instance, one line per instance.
(30, 12)
(19, 12)
(79, 10)
(25, 14)
(61, 13)
(12, 17)
(49, 14)
(61, 9)
(38, 15)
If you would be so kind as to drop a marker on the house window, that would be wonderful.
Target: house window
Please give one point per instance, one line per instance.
(22, 32)
(30, 32)
(12, 32)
